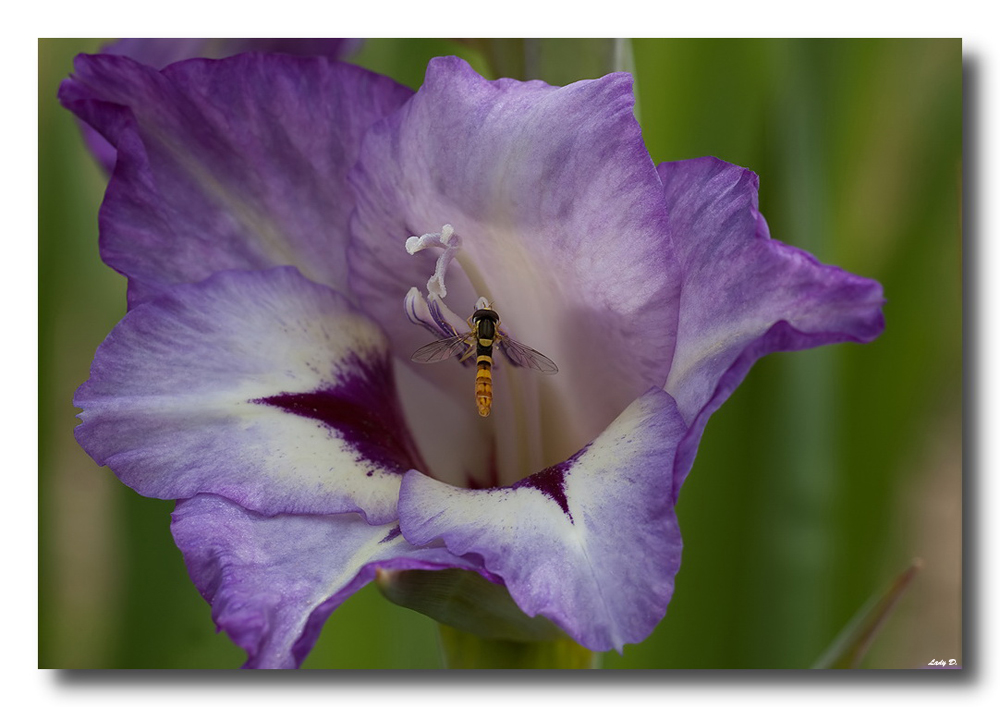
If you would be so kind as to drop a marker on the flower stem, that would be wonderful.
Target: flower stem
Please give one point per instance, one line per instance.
(465, 650)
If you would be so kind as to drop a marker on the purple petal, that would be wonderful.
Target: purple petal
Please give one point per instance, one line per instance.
(563, 225)
(591, 543)
(273, 581)
(158, 53)
(261, 387)
(235, 163)
(743, 294)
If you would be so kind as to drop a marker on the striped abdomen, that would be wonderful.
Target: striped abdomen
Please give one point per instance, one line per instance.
(484, 380)
(486, 332)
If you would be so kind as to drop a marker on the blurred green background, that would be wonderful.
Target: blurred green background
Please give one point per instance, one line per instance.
(818, 482)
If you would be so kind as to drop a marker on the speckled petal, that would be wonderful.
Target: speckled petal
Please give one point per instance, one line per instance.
(261, 387)
(591, 543)
(273, 581)
(230, 163)
(743, 294)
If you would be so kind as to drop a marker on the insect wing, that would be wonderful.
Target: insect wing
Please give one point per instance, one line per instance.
(442, 350)
(521, 355)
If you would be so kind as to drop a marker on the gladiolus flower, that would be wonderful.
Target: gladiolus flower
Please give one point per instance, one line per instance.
(261, 208)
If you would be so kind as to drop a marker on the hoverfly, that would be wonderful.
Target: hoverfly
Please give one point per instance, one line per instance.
(484, 332)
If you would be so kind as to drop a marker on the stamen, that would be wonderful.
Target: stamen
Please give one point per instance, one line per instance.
(432, 313)
(427, 316)
(513, 421)
(446, 239)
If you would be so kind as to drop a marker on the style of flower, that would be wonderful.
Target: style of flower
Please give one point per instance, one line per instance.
(278, 219)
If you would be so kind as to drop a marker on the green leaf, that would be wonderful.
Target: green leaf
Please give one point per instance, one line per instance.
(853, 642)
(465, 601)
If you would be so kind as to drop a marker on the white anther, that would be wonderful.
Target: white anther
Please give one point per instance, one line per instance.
(415, 244)
(446, 239)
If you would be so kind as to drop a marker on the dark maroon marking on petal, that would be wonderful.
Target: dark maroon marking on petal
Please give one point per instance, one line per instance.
(364, 411)
(552, 482)
(393, 534)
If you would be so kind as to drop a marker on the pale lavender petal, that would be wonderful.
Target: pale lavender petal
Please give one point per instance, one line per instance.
(273, 581)
(743, 294)
(262, 387)
(563, 226)
(231, 163)
(591, 543)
